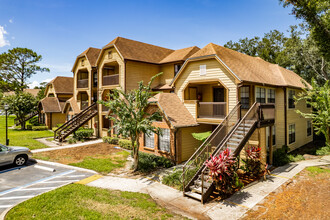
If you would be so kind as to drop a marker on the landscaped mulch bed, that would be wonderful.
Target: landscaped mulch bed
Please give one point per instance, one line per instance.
(77, 154)
(306, 196)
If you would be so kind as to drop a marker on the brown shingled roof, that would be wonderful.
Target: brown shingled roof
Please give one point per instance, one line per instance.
(180, 55)
(91, 54)
(174, 110)
(252, 69)
(139, 51)
(73, 104)
(51, 104)
(62, 85)
(33, 92)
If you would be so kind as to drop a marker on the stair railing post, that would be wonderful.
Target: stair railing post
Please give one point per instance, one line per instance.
(183, 180)
(202, 195)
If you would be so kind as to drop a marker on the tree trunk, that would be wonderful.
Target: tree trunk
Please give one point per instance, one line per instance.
(136, 154)
(23, 125)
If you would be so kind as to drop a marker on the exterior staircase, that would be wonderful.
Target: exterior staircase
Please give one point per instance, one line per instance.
(232, 133)
(75, 123)
(28, 117)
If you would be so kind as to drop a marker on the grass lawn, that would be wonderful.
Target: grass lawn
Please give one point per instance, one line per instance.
(102, 157)
(84, 202)
(22, 138)
(104, 165)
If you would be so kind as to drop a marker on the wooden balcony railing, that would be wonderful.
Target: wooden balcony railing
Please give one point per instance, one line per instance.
(212, 110)
(110, 80)
(82, 83)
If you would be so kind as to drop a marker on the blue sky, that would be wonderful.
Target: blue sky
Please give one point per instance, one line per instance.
(60, 30)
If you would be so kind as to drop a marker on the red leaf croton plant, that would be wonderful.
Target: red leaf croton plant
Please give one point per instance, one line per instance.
(222, 170)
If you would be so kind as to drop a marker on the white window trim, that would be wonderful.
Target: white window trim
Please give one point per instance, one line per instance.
(266, 93)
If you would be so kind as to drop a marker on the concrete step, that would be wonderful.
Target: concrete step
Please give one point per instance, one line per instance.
(194, 195)
(206, 184)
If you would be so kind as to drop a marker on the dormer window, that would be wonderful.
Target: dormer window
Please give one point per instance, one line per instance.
(82, 62)
(110, 54)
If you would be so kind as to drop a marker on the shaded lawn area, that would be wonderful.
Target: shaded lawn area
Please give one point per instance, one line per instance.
(77, 201)
(23, 138)
(305, 197)
(102, 157)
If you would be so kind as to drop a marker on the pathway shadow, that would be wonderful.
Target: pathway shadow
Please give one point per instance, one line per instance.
(237, 199)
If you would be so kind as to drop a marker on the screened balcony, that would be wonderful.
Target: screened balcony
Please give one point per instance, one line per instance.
(110, 74)
(82, 79)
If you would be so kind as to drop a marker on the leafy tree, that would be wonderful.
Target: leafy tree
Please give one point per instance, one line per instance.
(319, 98)
(298, 52)
(41, 93)
(268, 48)
(18, 65)
(316, 15)
(21, 105)
(128, 112)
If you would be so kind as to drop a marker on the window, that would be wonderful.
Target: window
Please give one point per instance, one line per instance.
(95, 79)
(82, 62)
(292, 133)
(176, 68)
(149, 140)
(291, 98)
(164, 140)
(261, 95)
(245, 97)
(110, 54)
(271, 95)
(202, 70)
(309, 128)
(273, 136)
(106, 122)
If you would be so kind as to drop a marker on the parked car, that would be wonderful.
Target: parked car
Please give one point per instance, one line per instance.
(14, 155)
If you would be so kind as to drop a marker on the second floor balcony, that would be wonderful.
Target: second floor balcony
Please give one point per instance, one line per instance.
(110, 80)
(82, 83)
(216, 110)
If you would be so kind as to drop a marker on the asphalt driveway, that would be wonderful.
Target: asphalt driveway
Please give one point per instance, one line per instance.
(21, 183)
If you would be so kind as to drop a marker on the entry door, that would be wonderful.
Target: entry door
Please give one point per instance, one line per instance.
(219, 96)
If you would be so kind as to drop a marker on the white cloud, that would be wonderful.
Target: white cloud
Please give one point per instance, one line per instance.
(33, 84)
(46, 80)
(3, 40)
(11, 21)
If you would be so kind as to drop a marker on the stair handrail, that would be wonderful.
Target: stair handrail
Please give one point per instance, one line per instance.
(223, 143)
(76, 118)
(204, 145)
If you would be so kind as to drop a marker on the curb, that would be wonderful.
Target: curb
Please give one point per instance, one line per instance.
(88, 179)
(66, 166)
(67, 146)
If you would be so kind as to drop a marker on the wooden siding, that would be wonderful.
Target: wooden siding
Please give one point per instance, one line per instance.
(300, 123)
(214, 71)
(188, 143)
(168, 73)
(137, 71)
(191, 105)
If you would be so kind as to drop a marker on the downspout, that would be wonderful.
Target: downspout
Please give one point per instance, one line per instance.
(175, 150)
(285, 118)
(125, 75)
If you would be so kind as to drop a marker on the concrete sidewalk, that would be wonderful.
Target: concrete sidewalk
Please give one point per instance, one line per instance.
(67, 146)
(232, 208)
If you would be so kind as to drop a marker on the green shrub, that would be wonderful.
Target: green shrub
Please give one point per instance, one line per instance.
(29, 127)
(83, 133)
(34, 121)
(39, 128)
(72, 140)
(173, 179)
(149, 162)
(126, 144)
(110, 140)
(280, 156)
(59, 125)
(323, 151)
(54, 128)
(106, 139)
(296, 158)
